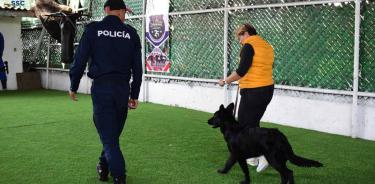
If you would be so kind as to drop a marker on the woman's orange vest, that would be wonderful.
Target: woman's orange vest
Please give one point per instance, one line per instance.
(260, 72)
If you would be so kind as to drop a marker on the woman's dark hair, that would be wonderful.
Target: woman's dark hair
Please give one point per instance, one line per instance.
(246, 28)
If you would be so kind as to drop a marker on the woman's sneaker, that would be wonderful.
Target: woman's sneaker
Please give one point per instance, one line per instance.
(252, 161)
(263, 164)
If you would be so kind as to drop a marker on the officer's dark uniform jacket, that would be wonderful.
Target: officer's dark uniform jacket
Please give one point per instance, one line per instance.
(114, 49)
(2, 66)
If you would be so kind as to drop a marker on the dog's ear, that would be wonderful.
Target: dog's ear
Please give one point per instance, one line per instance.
(230, 107)
(222, 107)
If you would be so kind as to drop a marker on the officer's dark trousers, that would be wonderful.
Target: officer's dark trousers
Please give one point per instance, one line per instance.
(253, 104)
(4, 83)
(110, 101)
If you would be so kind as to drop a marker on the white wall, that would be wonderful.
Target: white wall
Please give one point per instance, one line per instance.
(321, 112)
(59, 80)
(367, 120)
(315, 114)
(10, 27)
(203, 98)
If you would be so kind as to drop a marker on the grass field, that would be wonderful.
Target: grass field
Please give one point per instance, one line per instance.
(46, 138)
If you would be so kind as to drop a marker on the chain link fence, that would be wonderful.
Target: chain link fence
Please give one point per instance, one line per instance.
(98, 12)
(196, 45)
(314, 44)
(193, 5)
(260, 2)
(30, 39)
(367, 48)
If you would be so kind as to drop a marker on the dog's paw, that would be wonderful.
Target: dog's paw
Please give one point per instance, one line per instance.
(245, 182)
(222, 171)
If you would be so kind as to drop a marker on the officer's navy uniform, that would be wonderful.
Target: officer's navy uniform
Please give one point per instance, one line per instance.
(114, 50)
(3, 77)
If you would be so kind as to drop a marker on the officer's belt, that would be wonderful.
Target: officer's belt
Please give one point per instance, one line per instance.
(110, 79)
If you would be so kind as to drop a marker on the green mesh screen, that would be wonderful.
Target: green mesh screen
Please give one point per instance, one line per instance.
(258, 2)
(28, 22)
(55, 56)
(196, 45)
(98, 12)
(367, 48)
(313, 44)
(137, 24)
(29, 43)
(136, 6)
(79, 31)
(183, 5)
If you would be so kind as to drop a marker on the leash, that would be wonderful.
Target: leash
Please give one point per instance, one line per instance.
(235, 103)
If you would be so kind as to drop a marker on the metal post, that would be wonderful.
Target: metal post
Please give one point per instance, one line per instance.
(225, 64)
(145, 88)
(40, 40)
(357, 23)
(47, 67)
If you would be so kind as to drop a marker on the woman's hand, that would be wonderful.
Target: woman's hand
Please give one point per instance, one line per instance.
(221, 82)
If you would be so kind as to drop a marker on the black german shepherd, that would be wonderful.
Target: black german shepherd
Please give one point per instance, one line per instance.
(246, 143)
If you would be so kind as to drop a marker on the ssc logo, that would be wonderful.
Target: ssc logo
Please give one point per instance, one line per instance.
(18, 2)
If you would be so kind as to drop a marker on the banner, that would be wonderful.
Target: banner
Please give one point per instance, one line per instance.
(157, 34)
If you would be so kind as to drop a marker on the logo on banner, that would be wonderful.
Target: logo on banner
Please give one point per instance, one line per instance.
(157, 30)
(157, 61)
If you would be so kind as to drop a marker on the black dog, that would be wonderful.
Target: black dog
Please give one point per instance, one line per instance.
(246, 143)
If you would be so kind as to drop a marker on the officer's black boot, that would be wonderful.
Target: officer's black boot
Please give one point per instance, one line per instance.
(119, 180)
(102, 170)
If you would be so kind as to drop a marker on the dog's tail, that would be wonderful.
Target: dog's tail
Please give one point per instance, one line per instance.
(292, 157)
(304, 162)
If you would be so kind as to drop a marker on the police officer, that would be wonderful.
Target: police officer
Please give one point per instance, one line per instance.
(3, 76)
(114, 50)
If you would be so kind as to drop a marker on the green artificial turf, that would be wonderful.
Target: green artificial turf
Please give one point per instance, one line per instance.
(46, 138)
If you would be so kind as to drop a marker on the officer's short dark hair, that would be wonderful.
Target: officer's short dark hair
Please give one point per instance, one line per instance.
(115, 4)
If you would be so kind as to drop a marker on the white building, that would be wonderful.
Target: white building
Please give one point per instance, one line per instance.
(10, 27)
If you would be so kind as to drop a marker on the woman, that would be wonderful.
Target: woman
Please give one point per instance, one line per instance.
(254, 75)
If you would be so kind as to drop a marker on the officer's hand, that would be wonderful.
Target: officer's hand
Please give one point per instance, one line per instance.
(221, 82)
(73, 95)
(133, 103)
